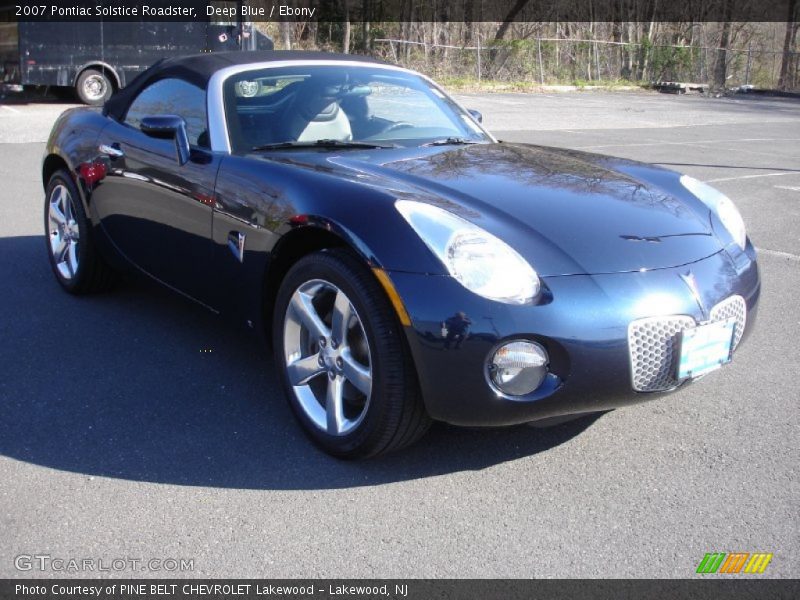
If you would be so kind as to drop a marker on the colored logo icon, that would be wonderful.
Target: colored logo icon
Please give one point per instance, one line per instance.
(734, 562)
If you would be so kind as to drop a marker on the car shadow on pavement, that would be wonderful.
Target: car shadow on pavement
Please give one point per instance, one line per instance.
(141, 384)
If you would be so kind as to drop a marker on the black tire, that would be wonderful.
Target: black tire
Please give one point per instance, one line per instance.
(94, 87)
(394, 415)
(91, 273)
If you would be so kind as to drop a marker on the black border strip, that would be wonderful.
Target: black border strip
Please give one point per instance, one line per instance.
(734, 588)
(413, 10)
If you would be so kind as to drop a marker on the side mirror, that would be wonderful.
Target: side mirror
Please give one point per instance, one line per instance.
(476, 114)
(169, 127)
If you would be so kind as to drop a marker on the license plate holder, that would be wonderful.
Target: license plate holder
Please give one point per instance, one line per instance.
(705, 348)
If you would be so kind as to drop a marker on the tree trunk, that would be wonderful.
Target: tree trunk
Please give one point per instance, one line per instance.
(631, 40)
(405, 27)
(365, 26)
(467, 22)
(313, 32)
(504, 26)
(286, 34)
(647, 49)
(346, 27)
(721, 65)
(788, 45)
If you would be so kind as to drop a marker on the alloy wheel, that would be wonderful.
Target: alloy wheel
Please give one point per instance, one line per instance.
(64, 233)
(327, 357)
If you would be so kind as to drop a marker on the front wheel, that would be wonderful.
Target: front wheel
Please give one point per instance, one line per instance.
(342, 359)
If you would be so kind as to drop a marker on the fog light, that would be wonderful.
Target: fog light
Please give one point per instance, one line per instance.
(518, 368)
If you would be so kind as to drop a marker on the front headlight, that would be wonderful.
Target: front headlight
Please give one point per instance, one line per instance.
(722, 205)
(481, 262)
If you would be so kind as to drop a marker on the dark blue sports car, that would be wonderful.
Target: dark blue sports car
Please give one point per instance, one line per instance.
(406, 265)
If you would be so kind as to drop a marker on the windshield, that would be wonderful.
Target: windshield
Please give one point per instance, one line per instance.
(364, 104)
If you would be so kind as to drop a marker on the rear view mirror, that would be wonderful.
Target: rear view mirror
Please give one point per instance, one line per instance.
(169, 127)
(476, 114)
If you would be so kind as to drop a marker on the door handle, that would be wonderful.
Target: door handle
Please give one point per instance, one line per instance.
(112, 151)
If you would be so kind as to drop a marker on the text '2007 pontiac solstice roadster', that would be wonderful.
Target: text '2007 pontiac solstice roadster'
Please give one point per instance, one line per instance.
(405, 265)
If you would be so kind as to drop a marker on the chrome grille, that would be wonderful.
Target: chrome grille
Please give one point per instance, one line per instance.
(653, 344)
(732, 307)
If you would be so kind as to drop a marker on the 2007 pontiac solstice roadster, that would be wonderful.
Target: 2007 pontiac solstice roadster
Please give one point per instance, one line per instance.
(406, 266)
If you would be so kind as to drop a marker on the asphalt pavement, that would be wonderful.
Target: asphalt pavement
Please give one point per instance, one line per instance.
(135, 425)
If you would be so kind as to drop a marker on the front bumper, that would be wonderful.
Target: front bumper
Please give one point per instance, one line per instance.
(581, 320)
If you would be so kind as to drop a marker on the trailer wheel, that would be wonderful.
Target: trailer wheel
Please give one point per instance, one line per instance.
(94, 87)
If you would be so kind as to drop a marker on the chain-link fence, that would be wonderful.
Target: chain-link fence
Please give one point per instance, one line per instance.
(560, 61)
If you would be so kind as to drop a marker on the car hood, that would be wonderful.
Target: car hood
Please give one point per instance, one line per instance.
(567, 212)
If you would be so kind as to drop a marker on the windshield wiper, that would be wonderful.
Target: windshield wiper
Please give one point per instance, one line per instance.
(322, 144)
(451, 141)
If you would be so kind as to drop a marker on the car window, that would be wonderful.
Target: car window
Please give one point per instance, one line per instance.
(345, 103)
(173, 97)
(400, 103)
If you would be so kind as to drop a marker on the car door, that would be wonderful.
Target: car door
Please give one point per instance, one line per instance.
(157, 212)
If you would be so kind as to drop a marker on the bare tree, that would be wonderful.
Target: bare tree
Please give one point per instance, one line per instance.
(365, 26)
(512, 14)
(346, 27)
(721, 65)
(286, 34)
(788, 45)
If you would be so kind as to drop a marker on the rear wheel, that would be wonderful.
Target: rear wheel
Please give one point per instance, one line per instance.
(342, 359)
(94, 87)
(76, 264)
